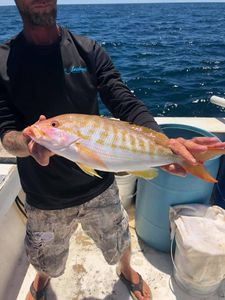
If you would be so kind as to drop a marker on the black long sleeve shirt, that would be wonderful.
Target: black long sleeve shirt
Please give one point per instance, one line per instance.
(61, 78)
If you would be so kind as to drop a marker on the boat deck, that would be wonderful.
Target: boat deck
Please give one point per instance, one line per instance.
(89, 277)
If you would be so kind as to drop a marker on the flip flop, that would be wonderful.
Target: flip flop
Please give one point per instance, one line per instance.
(133, 287)
(38, 295)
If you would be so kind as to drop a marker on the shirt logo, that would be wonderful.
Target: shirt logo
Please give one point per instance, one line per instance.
(75, 70)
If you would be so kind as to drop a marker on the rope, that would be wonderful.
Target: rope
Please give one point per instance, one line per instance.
(20, 206)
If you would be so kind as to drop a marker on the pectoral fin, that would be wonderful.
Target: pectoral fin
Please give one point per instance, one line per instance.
(89, 155)
(146, 174)
(88, 170)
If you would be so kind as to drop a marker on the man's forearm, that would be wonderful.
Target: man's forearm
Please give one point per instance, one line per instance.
(15, 143)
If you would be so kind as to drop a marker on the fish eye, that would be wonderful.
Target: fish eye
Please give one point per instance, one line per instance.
(55, 123)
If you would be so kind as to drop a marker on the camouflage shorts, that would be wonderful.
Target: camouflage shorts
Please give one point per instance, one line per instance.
(49, 231)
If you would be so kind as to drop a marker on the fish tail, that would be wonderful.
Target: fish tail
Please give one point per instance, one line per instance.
(199, 170)
(210, 153)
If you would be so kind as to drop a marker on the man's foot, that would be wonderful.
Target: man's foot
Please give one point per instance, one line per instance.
(37, 289)
(137, 287)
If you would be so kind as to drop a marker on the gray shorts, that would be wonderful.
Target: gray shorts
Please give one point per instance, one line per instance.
(49, 231)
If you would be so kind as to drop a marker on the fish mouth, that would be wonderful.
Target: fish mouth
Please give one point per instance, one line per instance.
(38, 133)
(45, 137)
(34, 132)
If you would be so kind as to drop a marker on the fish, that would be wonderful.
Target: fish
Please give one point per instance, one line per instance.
(98, 143)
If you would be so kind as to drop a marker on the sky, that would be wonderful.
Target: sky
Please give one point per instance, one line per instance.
(11, 2)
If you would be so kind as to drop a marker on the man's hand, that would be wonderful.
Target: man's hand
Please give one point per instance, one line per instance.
(187, 148)
(38, 152)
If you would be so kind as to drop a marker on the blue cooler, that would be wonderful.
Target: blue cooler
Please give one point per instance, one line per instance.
(154, 197)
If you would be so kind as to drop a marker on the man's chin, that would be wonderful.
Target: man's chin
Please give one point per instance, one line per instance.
(43, 19)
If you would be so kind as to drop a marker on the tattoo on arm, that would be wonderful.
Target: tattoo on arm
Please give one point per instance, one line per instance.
(15, 143)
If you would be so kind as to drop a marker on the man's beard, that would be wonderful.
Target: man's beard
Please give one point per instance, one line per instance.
(42, 19)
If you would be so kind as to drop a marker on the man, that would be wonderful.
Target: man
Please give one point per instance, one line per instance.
(47, 71)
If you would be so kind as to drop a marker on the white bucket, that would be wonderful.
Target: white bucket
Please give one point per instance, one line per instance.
(199, 233)
(182, 272)
(127, 187)
(194, 290)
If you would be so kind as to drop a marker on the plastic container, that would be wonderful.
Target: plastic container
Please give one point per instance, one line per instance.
(154, 197)
(127, 188)
(198, 231)
(200, 291)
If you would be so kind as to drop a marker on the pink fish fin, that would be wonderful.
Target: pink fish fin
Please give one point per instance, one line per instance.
(146, 174)
(198, 171)
(88, 170)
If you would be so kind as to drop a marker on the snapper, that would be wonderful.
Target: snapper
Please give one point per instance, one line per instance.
(100, 143)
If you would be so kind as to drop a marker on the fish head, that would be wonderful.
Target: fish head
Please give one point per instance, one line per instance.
(54, 133)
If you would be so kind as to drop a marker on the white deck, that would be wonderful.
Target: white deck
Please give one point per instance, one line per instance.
(13, 264)
(89, 277)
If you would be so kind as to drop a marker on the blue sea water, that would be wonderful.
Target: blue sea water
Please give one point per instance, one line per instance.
(172, 56)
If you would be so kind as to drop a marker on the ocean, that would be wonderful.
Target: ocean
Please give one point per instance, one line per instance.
(172, 56)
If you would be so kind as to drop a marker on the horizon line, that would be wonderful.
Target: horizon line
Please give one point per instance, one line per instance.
(130, 2)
